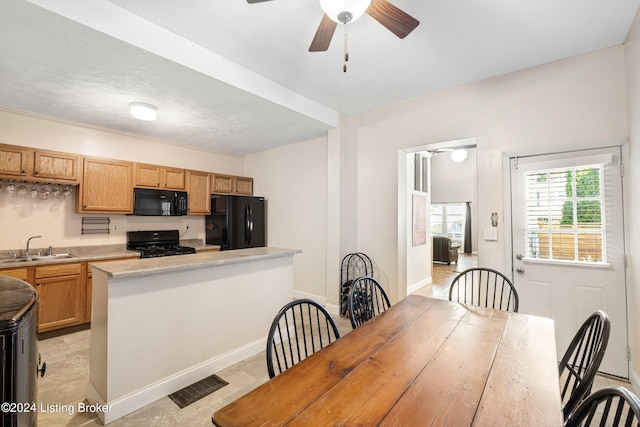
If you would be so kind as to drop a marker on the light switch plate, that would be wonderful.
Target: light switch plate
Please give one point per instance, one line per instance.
(491, 234)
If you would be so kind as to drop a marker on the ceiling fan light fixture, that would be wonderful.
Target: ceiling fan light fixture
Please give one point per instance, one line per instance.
(459, 155)
(344, 11)
(142, 111)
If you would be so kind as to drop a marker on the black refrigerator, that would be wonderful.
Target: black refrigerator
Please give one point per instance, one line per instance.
(236, 222)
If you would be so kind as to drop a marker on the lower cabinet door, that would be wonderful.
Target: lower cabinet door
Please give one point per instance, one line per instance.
(61, 302)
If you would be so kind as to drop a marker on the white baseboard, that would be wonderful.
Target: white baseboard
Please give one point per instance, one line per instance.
(320, 299)
(419, 285)
(333, 309)
(635, 381)
(125, 405)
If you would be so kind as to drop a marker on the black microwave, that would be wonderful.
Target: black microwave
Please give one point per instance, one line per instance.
(148, 202)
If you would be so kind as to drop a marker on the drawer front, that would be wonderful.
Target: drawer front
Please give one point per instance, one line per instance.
(58, 270)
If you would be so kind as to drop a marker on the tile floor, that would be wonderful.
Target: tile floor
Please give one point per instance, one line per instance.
(67, 358)
(64, 383)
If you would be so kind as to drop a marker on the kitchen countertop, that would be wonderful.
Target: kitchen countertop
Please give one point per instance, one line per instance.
(142, 267)
(93, 253)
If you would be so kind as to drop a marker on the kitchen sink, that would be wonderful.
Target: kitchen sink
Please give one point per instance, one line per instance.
(35, 258)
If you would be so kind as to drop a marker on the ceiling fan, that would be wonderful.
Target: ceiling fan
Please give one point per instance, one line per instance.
(344, 11)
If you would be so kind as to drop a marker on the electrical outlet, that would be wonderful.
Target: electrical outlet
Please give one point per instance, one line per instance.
(491, 234)
(186, 227)
(114, 226)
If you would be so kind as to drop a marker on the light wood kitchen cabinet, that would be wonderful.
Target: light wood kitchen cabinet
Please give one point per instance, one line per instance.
(18, 273)
(199, 192)
(229, 184)
(26, 164)
(15, 162)
(61, 296)
(107, 186)
(56, 166)
(154, 176)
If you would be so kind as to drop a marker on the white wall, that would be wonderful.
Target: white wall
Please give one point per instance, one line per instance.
(55, 219)
(566, 103)
(293, 179)
(632, 55)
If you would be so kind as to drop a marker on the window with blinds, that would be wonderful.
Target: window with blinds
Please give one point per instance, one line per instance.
(564, 210)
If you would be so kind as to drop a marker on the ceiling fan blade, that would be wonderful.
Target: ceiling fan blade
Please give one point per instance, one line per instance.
(255, 1)
(396, 21)
(323, 36)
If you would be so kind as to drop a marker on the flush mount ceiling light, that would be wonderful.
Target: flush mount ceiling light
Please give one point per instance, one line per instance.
(142, 111)
(459, 155)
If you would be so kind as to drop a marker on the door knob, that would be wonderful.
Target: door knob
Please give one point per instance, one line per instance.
(520, 270)
(518, 257)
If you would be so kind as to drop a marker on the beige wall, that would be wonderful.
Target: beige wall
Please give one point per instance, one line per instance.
(55, 219)
(576, 101)
(632, 55)
(293, 179)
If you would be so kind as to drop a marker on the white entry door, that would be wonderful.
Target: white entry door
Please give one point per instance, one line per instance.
(568, 244)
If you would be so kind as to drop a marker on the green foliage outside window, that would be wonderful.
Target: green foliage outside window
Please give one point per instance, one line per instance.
(587, 185)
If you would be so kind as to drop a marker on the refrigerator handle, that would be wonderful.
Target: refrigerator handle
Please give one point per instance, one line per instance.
(248, 224)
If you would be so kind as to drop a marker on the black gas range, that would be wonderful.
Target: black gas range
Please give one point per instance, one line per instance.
(153, 244)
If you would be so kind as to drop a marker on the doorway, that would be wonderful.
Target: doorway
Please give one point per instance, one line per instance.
(447, 182)
(568, 243)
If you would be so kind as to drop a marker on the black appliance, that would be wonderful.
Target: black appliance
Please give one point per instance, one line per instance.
(236, 222)
(149, 202)
(153, 244)
(19, 372)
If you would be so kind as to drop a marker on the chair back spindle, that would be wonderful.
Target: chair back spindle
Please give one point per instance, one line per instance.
(484, 287)
(581, 361)
(301, 328)
(610, 406)
(366, 300)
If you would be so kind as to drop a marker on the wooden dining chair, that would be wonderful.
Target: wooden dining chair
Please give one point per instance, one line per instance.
(582, 359)
(484, 287)
(301, 328)
(610, 406)
(367, 299)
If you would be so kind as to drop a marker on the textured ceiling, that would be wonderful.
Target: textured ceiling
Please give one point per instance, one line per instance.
(236, 77)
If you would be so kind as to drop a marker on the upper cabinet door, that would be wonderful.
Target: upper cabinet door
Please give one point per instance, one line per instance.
(229, 184)
(15, 161)
(173, 178)
(199, 190)
(148, 175)
(58, 166)
(154, 176)
(107, 186)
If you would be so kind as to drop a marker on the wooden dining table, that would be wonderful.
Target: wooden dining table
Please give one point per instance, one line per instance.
(423, 362)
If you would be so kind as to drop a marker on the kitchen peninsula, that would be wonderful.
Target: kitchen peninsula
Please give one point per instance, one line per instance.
(161, 324)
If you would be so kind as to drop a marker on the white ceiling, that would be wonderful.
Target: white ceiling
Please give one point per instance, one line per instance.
(236, 77)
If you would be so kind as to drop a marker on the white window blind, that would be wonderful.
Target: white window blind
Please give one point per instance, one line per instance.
(565, 214)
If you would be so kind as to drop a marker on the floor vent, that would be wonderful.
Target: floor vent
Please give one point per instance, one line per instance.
(197, 391)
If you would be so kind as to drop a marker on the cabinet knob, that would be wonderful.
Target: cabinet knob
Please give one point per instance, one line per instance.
(35, 173)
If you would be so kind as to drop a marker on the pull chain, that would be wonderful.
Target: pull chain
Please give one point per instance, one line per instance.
(346, 50)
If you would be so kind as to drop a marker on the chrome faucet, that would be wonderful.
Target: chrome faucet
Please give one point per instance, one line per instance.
(29, 240)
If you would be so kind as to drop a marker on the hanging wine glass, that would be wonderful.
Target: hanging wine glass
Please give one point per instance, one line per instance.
(34, 191)
(11, 188)
(56, 191)
(44, 193)
(67, 191)
(21, 190)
